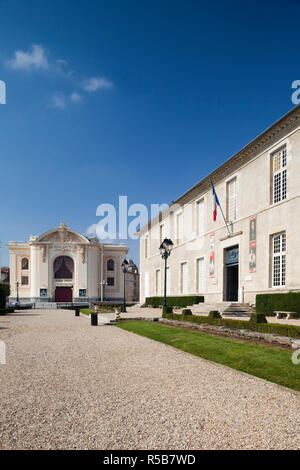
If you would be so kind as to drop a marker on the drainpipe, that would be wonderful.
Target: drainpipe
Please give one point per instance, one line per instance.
(102, 249)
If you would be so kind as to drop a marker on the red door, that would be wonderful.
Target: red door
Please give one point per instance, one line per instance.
(63, 294)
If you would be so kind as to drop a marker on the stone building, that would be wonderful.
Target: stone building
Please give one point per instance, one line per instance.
(258, 251)
(63, 265)
(4, 274)
(132, 280)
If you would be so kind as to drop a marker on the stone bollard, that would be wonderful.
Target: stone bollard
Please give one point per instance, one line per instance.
(94, 319)
(117, 313)
(77, 311)
(94, 316)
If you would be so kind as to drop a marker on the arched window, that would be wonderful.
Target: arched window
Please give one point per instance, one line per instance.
(24, 264)
(63, 267)
(110, 265)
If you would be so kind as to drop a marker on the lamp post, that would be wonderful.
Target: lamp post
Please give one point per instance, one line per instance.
(17, 284)
(165, 251)
(124, 265)
(103, 284)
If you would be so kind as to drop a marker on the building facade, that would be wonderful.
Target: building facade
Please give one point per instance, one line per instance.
(132, 282)
(258, 250)
(63, 265)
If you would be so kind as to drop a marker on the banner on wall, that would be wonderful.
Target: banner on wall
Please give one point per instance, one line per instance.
(252, 244)
(212, 255)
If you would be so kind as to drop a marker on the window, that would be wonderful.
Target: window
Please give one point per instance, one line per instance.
(179, 227)
(200, 218)
(231, 200)
(161, 233)
(63, 267)
(24, 264)
(158, 282)
(168, 281)
(279, 176)
(200, 275)
(24, 280)
(279, 259)
(146, 280)
(146, 246)
(110, 265)
(110, 281)
(183, 280)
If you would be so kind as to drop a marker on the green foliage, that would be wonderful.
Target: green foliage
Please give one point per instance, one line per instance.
(167, 310)
(214, 314)
(4, 293)
(274, 328)
(269, 303)
(187, 311)
(177, 301)
(258, 318)
(3, 311)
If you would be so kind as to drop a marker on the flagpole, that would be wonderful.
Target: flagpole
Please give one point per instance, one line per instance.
(221, 209)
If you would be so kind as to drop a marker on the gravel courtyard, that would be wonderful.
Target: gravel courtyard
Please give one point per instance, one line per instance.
(67, 385)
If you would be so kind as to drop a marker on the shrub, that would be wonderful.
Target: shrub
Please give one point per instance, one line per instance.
(187, 311)
(214, 314)
(273, 328)
(167, 310)
(3, 311)
(268, 303)
(258, 318)
(175, 301)
(4, 293)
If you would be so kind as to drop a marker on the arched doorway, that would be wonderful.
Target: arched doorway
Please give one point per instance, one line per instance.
(63, 268)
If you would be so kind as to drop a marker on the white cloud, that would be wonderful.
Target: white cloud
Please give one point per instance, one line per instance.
(96, 83)
(35, 58)
(58, 100)
(91, 230)
(75, 97)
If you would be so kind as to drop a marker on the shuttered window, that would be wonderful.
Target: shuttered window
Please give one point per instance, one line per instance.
(200, 218)
(231, 200)
(183, 283)
(158, 282)
(200, 275)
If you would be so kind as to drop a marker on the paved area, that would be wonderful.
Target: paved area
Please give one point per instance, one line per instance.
(67, 385)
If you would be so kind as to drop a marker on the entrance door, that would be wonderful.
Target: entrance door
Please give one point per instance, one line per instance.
(232, 274)
(63, 294)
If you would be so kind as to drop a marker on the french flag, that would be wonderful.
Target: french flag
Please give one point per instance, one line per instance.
(215, 201)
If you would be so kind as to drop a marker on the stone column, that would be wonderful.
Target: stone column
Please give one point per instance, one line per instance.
(34, 276)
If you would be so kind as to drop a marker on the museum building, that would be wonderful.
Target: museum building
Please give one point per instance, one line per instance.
(256, 248)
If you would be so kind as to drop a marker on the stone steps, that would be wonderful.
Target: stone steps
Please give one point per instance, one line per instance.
(227, 309)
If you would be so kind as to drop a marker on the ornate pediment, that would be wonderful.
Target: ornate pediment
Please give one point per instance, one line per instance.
(63, 236)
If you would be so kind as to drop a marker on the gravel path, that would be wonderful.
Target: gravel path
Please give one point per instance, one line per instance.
(69, 385)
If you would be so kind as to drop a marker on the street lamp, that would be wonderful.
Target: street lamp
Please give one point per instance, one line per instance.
(165, 251)
(125, 266)
(103, 284)
(17, 284)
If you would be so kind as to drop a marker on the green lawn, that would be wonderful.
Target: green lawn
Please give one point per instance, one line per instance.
(88, 311)
(268, 362)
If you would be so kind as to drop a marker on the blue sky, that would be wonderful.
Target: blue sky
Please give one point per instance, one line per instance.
(136, 98)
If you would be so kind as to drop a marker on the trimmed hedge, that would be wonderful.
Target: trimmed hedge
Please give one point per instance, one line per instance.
(273, 328)
(214, 314)
(177, 301)
(4, 311)
(167, 310)
(258, 318)
(268, 303)
(187, 311)
(4, 293)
